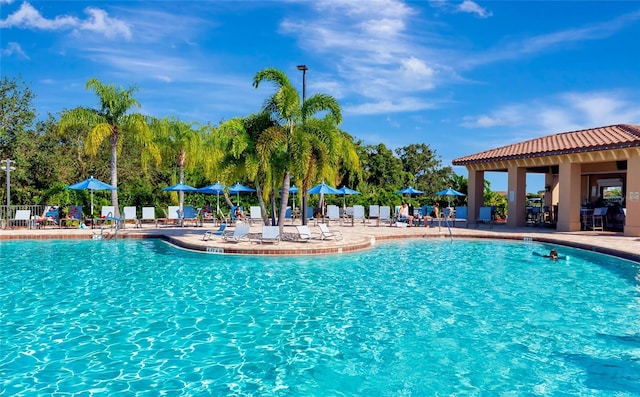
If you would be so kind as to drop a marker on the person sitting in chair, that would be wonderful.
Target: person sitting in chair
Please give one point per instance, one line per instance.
(403, 214)
(238, 214)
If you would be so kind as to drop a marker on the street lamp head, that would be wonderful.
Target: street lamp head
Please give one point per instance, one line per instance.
(302, 67)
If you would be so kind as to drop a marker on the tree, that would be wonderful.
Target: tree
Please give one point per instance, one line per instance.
(16, 113)
(180, 144)
(112, 121)
(285, 143)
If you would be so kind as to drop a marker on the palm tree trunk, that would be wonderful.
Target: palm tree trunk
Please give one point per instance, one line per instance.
(114, 173)
(286, 180)
(263, 207)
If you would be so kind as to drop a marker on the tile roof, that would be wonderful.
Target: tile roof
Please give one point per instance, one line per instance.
(589, 140)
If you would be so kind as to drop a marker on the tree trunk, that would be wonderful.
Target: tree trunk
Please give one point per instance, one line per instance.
(114, 173)
(283, 201)
(263, 208)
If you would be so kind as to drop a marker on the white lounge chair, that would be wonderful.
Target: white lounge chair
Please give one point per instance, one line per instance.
(240, 233)
(172, 214)
(270, 234)
(333, 214)
(255, 214)
(358, 214)
(304, 234)
(325, 233)
(385, 215)
(23, 217)
(374, 213)
(148, 215)
(130, 214)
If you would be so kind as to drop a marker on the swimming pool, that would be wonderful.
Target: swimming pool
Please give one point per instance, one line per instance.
(412, 318)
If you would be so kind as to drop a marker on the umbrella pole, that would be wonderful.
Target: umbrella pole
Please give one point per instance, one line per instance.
(91, 203)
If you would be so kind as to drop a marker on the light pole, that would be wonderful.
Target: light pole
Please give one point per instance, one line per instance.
(7, 167)
(303, 210)
(304, 81)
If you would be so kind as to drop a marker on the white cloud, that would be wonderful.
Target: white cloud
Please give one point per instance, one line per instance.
(6, 1)
(27, 17)
(100, 22)
(14, 48)
(375, 53)
(473, 8)
(563, 112)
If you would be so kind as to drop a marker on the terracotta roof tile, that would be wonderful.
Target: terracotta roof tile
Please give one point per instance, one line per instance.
(593, 139)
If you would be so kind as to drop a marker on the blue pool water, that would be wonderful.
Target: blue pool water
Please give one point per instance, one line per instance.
(414, 318)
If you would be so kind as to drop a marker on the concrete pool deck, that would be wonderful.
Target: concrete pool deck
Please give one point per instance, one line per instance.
(358, 237)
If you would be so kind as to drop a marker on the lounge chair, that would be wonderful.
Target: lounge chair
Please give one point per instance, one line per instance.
(304, 234)
(171, 215)
(51, 216)
(241, 231)
(212, 233)
(190, 214)
(358, 214)
(333, 213)
(460, 215)
(484, 216)
(325, 233)
(130, 214)
(374, 213)
(108, 214)
(270, 234)
(255, 214)
(23, 217)
(148, 215)
(385, 215)
(74, 215)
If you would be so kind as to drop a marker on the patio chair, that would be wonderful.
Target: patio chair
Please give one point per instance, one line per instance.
(374, 213)
(304, 234)
(171, 215)
(129, 214)
(358, 214)
(598, 218)
(240, 233)
(51, 216)
(148, 215)
(74, 215)
(255, 214)
(460, 215)
(325, 233)
(484, 216)
(333, 214)
(212, 233)
(190, 214)
(23, 217)
(385, 215)
(108, 214)
(270, 234)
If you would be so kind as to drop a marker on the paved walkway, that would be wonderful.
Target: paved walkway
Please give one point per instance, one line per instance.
(358, 237)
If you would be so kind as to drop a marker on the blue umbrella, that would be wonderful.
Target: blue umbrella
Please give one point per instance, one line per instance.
(323, 188)
(409, 190)
(346, 191)
(179, 187)
(449, 192)
(91, 184)
(238, 188)
(217, 189)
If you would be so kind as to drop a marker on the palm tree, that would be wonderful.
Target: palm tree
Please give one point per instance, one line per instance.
(180, 143)
(112, 121)
(286, 144)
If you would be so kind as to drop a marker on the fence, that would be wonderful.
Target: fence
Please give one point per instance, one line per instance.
(7, 213)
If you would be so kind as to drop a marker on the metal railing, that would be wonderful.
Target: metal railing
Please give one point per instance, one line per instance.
(7, 215)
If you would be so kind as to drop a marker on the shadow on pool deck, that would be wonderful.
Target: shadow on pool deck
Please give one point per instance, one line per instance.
(356, 238)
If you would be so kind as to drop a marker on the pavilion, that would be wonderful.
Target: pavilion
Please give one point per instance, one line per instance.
(580, 167)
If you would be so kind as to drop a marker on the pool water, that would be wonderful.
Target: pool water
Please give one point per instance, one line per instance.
(411, 318)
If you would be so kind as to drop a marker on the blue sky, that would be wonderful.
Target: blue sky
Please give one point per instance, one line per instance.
(460, 76)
